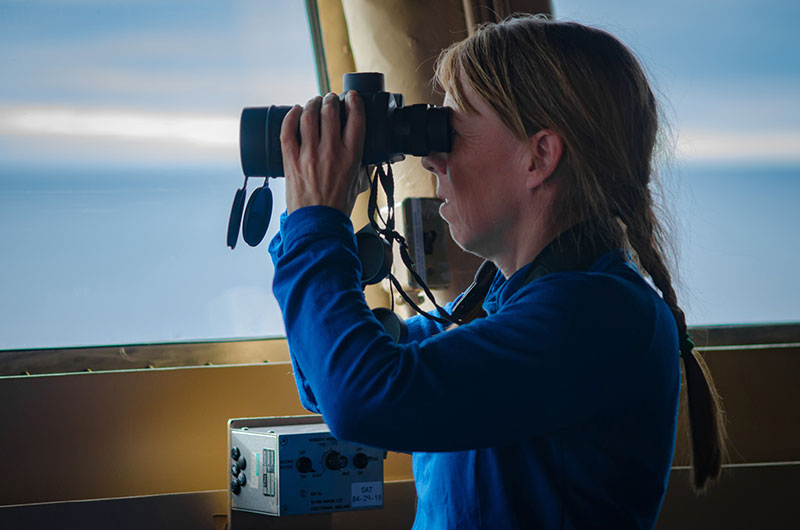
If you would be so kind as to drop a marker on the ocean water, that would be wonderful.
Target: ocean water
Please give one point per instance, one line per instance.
(109, 255)
(739, 255)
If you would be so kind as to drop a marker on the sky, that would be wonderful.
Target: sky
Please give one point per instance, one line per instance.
(148, 72)
(728, 71)
(149, 92)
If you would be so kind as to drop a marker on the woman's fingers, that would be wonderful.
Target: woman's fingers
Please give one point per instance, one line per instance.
(330, 124)
(353, 136)
(322, 167)
(309, 124)
(290, 147)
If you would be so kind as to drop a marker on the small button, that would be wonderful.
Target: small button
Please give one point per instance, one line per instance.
(242, 462)
(360, 460)
(335, 461)
(235, 469)
(304, 465)
(241, 478)
(235, 453)
(236, 488)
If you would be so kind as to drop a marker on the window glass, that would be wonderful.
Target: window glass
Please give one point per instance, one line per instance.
(119, 161)
(729, 75)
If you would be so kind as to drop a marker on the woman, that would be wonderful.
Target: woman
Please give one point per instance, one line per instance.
(557, 409)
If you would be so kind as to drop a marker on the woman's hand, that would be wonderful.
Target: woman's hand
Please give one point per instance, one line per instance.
(323, 166)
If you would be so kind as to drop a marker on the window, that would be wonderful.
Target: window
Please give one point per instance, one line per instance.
(730, 75)
(119, 161)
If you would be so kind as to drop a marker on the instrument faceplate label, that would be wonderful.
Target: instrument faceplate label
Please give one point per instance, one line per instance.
(366, 494)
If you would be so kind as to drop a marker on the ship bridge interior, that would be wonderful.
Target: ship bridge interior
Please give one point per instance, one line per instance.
(132, 334)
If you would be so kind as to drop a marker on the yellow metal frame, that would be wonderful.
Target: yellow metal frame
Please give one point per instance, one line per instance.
(135, 432)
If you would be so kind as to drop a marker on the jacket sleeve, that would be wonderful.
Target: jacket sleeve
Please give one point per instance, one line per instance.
(551, 358)
(304, 391)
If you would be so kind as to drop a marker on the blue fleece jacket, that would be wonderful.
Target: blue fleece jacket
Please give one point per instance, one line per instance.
(557, 410)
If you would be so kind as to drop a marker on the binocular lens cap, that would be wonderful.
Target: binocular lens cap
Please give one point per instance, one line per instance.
(393, 324)
(256, 216)
(375, 255)
(235, 219)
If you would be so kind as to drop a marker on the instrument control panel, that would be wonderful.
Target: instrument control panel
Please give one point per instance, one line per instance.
(300, 468)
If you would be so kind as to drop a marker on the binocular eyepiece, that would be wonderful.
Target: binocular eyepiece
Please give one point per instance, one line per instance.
(392, 129)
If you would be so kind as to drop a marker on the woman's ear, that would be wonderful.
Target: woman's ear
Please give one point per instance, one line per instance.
(546, 150)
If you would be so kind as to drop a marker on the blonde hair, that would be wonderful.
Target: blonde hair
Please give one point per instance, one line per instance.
(590, 89)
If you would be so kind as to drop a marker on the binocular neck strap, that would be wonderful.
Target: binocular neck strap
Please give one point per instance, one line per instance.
(390, 234)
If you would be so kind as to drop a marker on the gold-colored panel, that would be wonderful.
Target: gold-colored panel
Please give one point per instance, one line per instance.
(761, 395)
(125, 433)
(338, 56)
(144, 432)
(135, 356)
(748, 497)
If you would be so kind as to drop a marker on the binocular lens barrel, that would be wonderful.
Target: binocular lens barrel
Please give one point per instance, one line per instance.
(392, 129)
(260, 140)
(415, 130)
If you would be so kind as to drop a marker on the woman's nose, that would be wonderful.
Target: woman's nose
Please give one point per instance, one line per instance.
(434, 163)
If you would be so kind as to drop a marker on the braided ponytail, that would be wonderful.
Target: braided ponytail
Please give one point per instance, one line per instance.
(706, 417)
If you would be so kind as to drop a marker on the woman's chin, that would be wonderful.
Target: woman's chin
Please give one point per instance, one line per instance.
(457, 230)
(457, 236)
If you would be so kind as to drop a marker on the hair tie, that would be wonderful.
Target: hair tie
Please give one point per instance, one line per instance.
(686, 345)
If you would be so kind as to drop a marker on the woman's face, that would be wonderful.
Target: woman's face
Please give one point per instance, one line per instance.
(482, 179)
